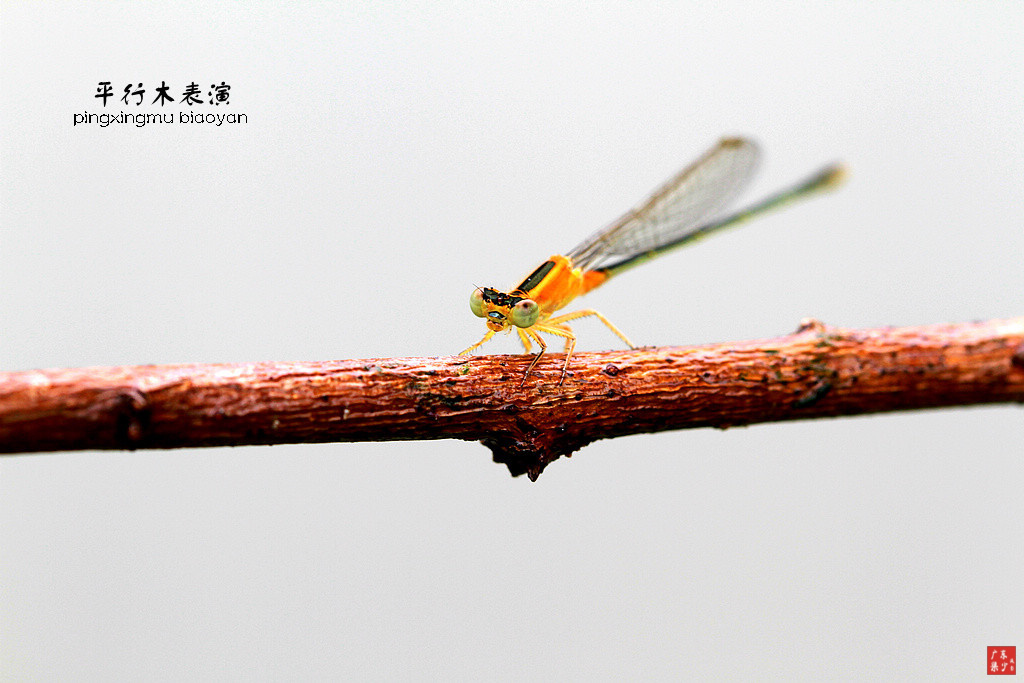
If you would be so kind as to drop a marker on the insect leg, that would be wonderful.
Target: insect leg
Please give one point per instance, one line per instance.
(487, 338)
(560, 331)
(543, 347)
(525, 338)
(591, 312)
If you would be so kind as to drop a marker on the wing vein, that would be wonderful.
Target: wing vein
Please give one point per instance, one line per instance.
(685, 201)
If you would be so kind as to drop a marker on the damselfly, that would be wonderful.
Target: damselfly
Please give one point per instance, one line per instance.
(681, 211)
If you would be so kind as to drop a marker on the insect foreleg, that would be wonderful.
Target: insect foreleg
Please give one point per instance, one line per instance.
(487, 338)
(525, 339)
(543, 347)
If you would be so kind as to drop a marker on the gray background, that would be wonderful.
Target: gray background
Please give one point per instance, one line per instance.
(396, 155)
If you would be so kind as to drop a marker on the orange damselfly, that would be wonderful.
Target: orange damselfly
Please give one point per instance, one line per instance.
(681, 211)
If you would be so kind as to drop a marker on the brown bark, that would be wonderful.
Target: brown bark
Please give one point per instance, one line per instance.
(816, 372)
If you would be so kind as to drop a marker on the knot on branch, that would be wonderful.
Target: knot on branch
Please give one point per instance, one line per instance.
(130, 410)
(1018, 356)
(528, 449)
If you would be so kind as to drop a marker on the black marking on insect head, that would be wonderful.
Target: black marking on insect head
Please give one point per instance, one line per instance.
(496, 315)
(535, 277)
(493, 296)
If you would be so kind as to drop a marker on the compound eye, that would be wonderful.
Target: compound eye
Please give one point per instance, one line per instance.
(476, 302)
(524, 313)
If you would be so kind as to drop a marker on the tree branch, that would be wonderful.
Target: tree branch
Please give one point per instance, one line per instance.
(816, 372)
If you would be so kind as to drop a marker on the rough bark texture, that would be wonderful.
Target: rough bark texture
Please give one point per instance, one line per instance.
(816, 372)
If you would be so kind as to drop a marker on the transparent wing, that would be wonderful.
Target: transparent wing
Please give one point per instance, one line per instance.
(680, 205)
